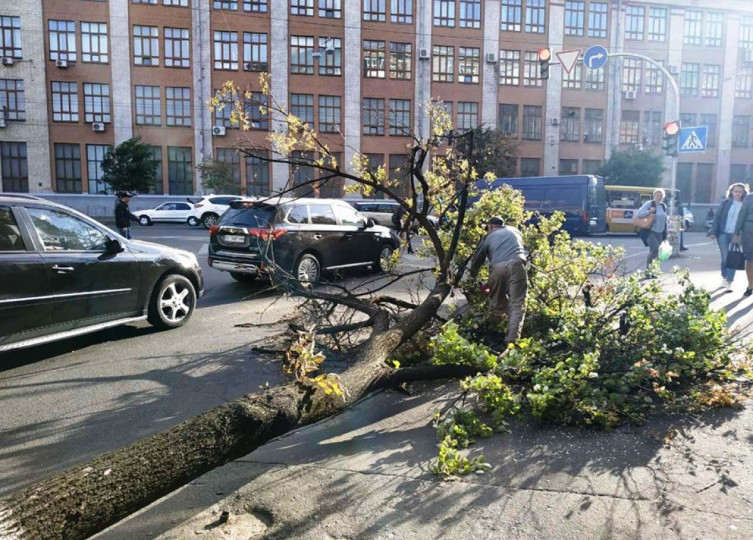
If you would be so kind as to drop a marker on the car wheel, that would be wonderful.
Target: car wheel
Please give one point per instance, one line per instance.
(193, 221)
(144, 220)
(173, 302)
(307, 269)
(242, 277)
(209, 219)
(382, 260)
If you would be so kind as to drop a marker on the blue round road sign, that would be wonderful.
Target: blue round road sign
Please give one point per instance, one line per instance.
(595, 57)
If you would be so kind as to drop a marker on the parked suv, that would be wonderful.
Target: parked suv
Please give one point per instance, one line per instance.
(63, 274)
(381, 210)
(207, 210)
(301, 236)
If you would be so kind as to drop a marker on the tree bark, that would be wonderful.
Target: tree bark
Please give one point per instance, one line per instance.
(87, 498)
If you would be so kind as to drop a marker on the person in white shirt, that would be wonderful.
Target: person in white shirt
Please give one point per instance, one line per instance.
(723, 228)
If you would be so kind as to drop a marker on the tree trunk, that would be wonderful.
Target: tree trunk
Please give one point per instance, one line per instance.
(88, 498)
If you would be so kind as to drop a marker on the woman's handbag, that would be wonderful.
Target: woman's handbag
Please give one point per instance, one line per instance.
(644, 222)
(735, 258)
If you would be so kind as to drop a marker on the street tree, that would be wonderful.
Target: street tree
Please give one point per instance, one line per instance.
(633, 168)
(493, 151)
(219, 177)
(129, 166)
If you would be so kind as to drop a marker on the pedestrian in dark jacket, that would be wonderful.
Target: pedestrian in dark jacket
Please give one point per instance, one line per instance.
(123, 215)
(723, 228)
(403, 229)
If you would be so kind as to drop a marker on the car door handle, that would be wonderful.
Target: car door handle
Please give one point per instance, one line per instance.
(62, 269)
(348, 236)
(317, 236)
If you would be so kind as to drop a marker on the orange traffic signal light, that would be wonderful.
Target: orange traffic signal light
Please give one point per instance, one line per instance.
(671, 134)
(545, 54)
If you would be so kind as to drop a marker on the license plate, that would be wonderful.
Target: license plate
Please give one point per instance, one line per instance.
(233, 238)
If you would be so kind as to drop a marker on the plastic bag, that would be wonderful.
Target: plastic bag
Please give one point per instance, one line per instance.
(665, 250)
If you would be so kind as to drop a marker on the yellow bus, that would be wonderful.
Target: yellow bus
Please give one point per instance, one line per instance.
(623, 201)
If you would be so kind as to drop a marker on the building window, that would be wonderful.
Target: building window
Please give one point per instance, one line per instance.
(744, 84)
(740, 131)
(593, 125)
(223, 112)
(157, 188)
(745, 37)
(469, 14)
(330, 56)
(631, 75)
(257, 176)
(448, 108)
(329, 114)
(598, 20)
(225, 4)
(511, 15)
(302, 107)
(67, 168)
(687, 119)
(225, 50)
(178, 110)
(302, 7)
(330, 9)
(570, 124)
(401, 11)
(148, 106)
(96, 103)
(94, 42)
(652, 127)
(399, 172)
(177, 47)
(713, 30)
(657, 24)
(257, 111)
(179, 170)
(591, 166)
(10, 37)
(231, 157)
(401, 55)
(467, 116)
(255, 52)
(574, 79)
(62, 35)
(173, 3)
(531, 70)
(654, 80)
(302, 55)
(508, 119)
(152, 2)
(575, 13)
(693, 28)
(374, 10)
(689, 79)
(303, 175)
(255, 6)
(12, 99)
(15, 170)
(444, 13)
(469, 63)
(373, 116)
(568, 166)
(146, 45)
(710, 76)
(737, 173)
(442, 63)
(95, 153)
(331, 188)
(530, 166)
(634, 16)
(374, 59)
(629, 127)
(399, 117)
(509, 67)
(595, 79)
(535, 16)
(532, 115)
(709, 120)
(64, 102)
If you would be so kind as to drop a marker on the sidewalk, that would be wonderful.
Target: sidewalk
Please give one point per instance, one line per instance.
(365, 474)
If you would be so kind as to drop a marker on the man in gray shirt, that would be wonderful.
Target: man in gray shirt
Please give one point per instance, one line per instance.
(508, 280)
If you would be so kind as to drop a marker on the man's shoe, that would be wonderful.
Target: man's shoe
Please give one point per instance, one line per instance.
(724, 284)
(683, 248)
(748, 292)
(728, 288)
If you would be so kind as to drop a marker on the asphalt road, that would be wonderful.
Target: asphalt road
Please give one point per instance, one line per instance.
(66, 402)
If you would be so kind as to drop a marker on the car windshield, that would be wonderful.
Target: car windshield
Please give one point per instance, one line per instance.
(252, 216)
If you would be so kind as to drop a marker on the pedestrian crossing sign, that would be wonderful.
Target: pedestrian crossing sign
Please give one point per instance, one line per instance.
(692, 139)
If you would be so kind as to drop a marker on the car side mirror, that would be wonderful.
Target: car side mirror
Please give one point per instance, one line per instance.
(113, 246)
(369, 223)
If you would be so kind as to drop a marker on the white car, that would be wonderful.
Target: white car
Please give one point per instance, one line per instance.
(173, 212)
(207, 210)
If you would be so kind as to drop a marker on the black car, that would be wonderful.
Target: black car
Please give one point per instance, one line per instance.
(63, 274)
(302, 237)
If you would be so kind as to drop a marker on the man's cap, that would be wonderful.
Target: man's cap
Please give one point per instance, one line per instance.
(122, 194)
(496, 220)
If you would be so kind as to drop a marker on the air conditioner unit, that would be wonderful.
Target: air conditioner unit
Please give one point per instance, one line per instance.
(491, 58)
(146, 61)
(62, 64)
(98, 127)
(423, 54)
(7, 61)
(3, 122)
(555, 121)
(630, 94)
(218, 131)
(247, 66)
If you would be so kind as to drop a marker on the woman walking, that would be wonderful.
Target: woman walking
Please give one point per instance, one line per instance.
(723, 228)
(658, 231)
(744, 235)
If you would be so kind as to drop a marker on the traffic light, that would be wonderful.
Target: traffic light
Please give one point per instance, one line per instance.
(671, 133)
(544, 56)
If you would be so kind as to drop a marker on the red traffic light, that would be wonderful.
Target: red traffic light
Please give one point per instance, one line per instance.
(672, 128)
(545, 54)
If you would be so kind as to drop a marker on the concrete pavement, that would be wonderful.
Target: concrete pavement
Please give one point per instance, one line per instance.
(365, 473)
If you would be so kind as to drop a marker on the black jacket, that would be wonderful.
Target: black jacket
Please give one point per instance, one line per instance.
(123, 215)
(720, 219)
